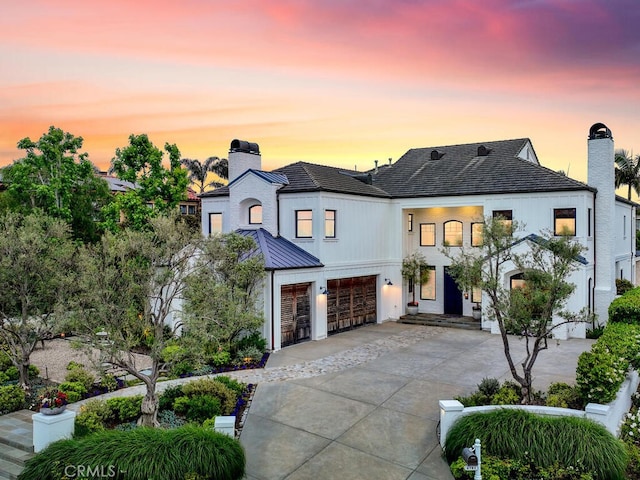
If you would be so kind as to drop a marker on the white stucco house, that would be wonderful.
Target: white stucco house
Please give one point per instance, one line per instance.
(334, 239)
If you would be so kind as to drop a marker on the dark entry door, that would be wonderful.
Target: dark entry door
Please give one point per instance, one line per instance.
(452, 295)
(351, 303)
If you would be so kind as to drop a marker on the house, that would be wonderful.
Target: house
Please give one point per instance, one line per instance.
(334, 239)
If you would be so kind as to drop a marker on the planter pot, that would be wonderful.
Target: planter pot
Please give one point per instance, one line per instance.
(476, 313)
(52, 411)
(412, 309)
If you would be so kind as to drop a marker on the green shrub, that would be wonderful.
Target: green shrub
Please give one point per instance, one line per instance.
(209, 386)
(476, 399)
(563, 395)
(109, 382)
(12, 373)
(72, 364)
(79, 374)
(12, 398)
(3, 378)
(92, 417)
(255, 340)
(248, 355)
(507, 394)
(177, 454)
(124, 409)
(221, 358)
(489, 386)
(168, 396)
(546, 442)
(74, 390)
(5, 360)
(623, 286)
(626, 309)
(494, 468)
(234, 385)
(169, 419)
(202, 407)
(181, 405)
(173, 353)
(182, 367)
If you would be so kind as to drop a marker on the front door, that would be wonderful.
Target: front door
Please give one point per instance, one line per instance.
(452, 295)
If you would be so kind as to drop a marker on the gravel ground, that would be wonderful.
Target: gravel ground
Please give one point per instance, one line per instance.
(52, 360)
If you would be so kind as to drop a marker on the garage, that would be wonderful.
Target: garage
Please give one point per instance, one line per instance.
(351, 303)
(295, 304)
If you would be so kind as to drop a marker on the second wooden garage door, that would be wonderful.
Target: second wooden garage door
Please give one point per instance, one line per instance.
(351, 303)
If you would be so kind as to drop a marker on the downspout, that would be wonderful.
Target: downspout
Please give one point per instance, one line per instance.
(273, 326)
(595, 263)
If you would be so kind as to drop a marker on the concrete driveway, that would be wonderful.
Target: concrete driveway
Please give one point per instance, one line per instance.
(364, 404)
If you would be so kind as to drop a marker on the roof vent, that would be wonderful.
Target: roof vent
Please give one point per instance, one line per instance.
(436, 155)
(599, 130)
(244, 146)
(483, 151)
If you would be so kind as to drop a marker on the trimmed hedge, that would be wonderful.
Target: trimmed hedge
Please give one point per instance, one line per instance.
(182, 453)
(602, 370)
(626, 309)
(541, 442)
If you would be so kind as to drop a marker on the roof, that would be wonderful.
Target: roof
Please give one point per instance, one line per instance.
(309, 177)
(279, 253)
(459, 170)
(117, 185)
(543, 242)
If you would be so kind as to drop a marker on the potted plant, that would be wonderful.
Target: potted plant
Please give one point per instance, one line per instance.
(415, 271)
(476, 311)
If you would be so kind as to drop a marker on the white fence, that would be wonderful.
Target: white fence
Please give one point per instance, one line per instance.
(610, 416)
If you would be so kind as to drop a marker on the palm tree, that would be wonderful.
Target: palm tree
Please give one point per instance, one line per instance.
(198, 171)
(627, 171)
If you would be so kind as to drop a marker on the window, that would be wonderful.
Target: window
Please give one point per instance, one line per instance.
(191, 209)
(183, 209)
(427, 234)
(516, 281)
(330, 224)
(255, 215)
(215, 223)
(476, 234)
(564, 221)
(304, 224)
(506, 216)
(588, 222)
(453, 233)
(624, 227)
(428, 289)
(410, 222)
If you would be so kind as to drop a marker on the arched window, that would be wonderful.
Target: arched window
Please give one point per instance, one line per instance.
(453, 233)
(255, 215)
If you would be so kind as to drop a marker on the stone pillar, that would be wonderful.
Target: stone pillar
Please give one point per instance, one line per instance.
(51, 428)
(450, 411)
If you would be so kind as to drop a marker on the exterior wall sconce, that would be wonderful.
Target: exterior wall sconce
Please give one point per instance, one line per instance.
(387, 282)
(466, 295)
(324, 291)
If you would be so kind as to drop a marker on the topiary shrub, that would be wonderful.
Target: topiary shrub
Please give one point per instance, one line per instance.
(92, 417)
(202, 407)
(80, 375)
(626, 309)
(12, 398)
(124, 409)
(544, 442)
(210, 386)
(180, 453)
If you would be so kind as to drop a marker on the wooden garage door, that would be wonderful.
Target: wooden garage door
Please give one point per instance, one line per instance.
(351, 303)
(295, 304)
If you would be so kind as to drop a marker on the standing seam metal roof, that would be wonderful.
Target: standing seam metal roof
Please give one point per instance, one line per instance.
(279, 253)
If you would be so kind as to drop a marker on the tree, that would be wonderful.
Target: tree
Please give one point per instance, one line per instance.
(57, 179)
(415, 270)
(627, 171)
(159, 189)
(131, 282)
(220, 301)
(532, 312)
(198, 171)
(37, 271)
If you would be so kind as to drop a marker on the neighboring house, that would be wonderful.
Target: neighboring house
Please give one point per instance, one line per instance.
(326, 229)
(190, 206)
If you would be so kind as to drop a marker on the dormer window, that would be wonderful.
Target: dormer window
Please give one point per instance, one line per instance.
(255, 215)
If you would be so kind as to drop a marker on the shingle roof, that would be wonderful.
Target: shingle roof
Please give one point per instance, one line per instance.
(309, 177)
(279, 253)
(543, 242)
(460, 171)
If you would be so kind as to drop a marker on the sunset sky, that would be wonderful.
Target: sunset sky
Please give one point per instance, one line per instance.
(337, 82)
